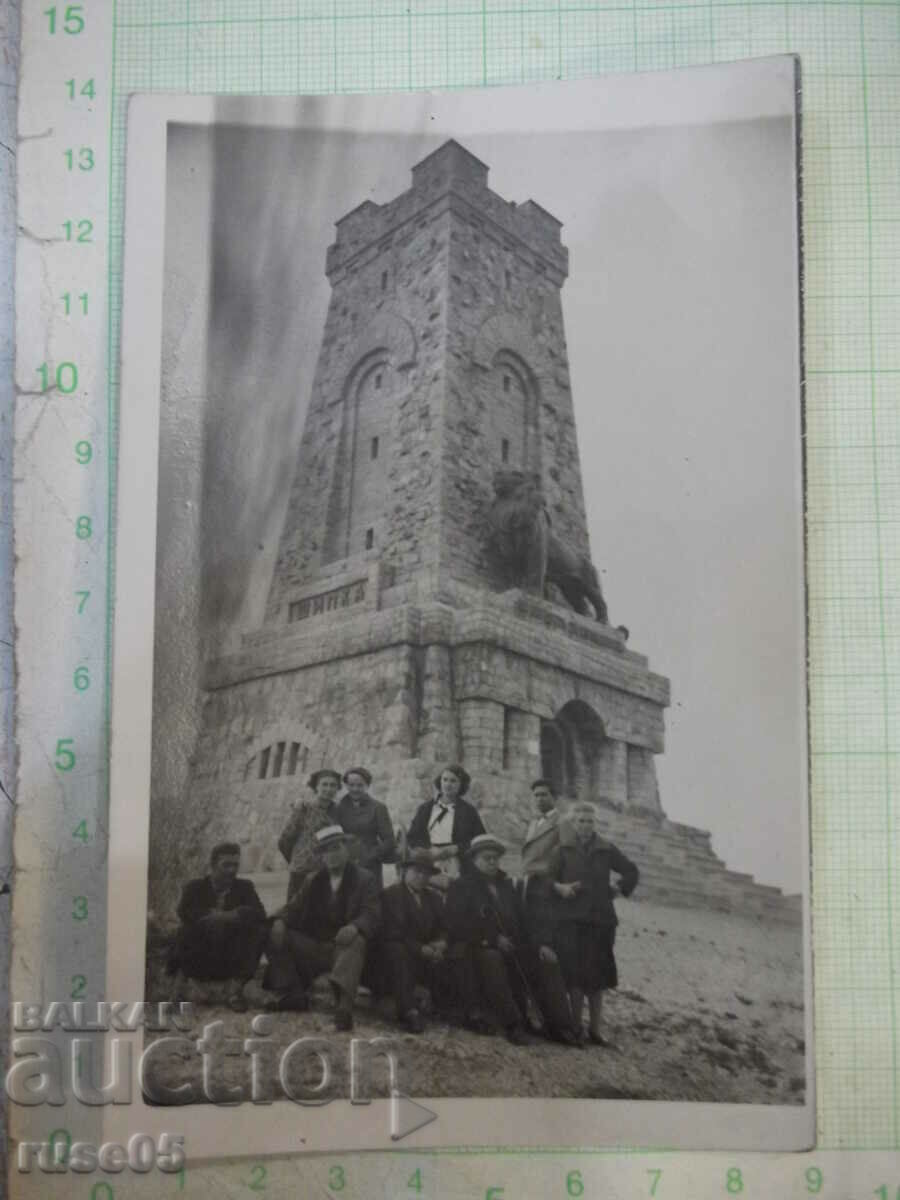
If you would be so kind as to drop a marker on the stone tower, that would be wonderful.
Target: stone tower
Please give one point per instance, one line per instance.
(389, 638)
(443, 358)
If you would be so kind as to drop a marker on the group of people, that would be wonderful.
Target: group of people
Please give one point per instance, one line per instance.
(510, 955)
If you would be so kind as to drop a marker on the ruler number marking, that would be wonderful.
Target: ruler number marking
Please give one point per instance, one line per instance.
(69, 307)
(65, 377)
(72, 20)
(79, 231)
(734, 1181)
(82, 158)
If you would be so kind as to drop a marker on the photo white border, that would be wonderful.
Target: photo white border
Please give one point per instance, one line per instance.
(736, 91)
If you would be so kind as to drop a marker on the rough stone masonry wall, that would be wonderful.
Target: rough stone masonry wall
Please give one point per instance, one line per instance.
(437, 282)
(403, 324)
(344, 712)
(500, 303)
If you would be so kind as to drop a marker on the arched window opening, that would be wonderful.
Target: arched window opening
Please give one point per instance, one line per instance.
(360, 479)
(514, 413)
(276, 761)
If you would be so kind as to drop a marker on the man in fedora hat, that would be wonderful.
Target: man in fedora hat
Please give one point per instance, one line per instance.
(298, 838)
(414, 940)
(326, 927)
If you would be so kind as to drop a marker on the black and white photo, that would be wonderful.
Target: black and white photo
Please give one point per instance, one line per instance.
(473, 714)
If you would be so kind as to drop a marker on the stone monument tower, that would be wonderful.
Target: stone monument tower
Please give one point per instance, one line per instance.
(391, 637)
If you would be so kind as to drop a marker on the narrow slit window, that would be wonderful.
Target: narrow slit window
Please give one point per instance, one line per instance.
(292, 758)
(370, 538)
(384, 281)
(508, 278)
(506, 383)
(264, 762)
(504, 451)
(378, 381)
(374, 448)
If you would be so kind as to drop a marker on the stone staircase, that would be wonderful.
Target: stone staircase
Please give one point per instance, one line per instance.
(678, 867)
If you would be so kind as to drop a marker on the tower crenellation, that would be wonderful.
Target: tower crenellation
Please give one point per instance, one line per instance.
(450, 178)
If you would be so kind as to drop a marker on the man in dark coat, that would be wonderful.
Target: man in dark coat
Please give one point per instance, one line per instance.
(325, 927)
(446, 825)
(413, 937)
(585, 920)
(223, 928)
(486, 927)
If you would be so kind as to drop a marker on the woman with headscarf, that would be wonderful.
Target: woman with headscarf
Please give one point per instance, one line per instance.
(298, 838)
(368, 823)
(446, 824)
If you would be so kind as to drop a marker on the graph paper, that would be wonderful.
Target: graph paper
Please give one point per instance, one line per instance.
(850, 58)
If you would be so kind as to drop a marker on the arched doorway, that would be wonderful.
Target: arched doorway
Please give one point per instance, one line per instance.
(573, 752)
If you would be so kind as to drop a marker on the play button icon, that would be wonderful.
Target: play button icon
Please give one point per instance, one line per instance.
(407, 1116)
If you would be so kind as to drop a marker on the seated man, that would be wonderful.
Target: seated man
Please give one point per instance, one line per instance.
(413, 939)
(502, 969)
(484, 927)
(223, 927)
(325, 927)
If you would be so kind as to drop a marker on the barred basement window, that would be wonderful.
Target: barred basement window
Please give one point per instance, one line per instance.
(292, 758)
(370, 538)
(277, 760)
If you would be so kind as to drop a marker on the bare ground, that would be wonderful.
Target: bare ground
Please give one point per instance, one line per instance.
(709, 1007)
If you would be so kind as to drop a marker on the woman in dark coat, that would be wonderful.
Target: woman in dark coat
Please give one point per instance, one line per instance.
(368, 823)
(446, 824)
(584, 917)
(298, 838)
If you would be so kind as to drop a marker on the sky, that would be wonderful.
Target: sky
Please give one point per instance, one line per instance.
(682, 336)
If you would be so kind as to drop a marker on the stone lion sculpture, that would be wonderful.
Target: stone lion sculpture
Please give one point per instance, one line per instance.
(531, 554)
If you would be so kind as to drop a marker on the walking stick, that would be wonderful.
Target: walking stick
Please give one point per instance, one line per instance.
(533, 1009)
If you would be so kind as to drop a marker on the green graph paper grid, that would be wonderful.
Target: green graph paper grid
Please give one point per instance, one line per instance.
(850, 56)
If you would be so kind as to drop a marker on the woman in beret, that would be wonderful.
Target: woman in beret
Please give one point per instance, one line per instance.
(298, 838)
(367, 821)
(446, 824)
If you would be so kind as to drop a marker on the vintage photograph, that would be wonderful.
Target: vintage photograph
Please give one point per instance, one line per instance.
(478, 683)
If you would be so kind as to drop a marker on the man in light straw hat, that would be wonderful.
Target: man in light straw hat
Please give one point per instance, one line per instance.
(326, 927)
